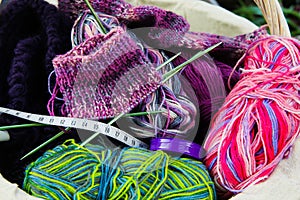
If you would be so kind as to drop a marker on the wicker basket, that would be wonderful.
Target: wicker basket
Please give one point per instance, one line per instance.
(276, 21)
(273, 14)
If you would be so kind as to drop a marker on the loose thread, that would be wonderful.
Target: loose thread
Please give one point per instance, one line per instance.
(71, 171)
(259, 120)
(95, 16)
(196, 56)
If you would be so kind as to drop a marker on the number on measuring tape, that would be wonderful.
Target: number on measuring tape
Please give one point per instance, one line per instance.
(84, 124)
(117, 133)
(96, 126)
(90, 125)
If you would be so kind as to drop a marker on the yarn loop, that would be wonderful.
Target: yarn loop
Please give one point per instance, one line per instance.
(260, 119)
(70, 171)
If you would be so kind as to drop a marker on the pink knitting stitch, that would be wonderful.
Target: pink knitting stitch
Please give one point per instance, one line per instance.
(104, 76)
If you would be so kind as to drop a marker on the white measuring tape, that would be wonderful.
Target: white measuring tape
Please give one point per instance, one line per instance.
(85, 124)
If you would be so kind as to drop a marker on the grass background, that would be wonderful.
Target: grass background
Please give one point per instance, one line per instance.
(249, 10)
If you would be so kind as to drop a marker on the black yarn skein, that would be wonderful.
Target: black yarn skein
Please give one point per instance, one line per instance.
(32, 33)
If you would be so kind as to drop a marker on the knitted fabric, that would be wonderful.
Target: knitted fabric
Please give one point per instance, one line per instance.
(225, 55)
(165, 26)
(32, 32)
(164, 29)
(231, 49)
(105, 76)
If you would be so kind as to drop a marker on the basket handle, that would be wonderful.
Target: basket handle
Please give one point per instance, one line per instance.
(274, 17)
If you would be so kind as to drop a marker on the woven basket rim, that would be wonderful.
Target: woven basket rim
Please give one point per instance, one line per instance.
(274, 17)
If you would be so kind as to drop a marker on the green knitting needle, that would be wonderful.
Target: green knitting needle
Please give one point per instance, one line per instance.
(166, 77)
(143, 113)
(168, 61)
(172, 72)
(2, 128)
(67, 129)
(45, 143)
(95, 15)
(169, 75)
(111, 122)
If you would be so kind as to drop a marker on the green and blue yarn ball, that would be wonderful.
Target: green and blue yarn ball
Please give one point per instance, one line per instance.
(71, 171)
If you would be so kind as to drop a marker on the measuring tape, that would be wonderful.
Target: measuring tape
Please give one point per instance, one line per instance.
(85, 124)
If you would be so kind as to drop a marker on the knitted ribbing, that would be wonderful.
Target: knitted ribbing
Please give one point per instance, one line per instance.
(164, 29)
(105, 76)
(225, 55)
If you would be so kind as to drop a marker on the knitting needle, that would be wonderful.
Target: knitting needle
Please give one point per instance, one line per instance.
(95, 15)
(129, 114)
(166, 77)
(20, 126)
(143, 113)
(122, 114)
(67, 129)
(45, 143)
(168, 61)
(2, 128)
(172, 72)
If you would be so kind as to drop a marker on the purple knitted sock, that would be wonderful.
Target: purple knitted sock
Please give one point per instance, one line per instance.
(104, 76)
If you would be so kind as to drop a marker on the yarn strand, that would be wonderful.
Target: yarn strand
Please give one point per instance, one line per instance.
(260, 119)
(71, 171)
(166, 76)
